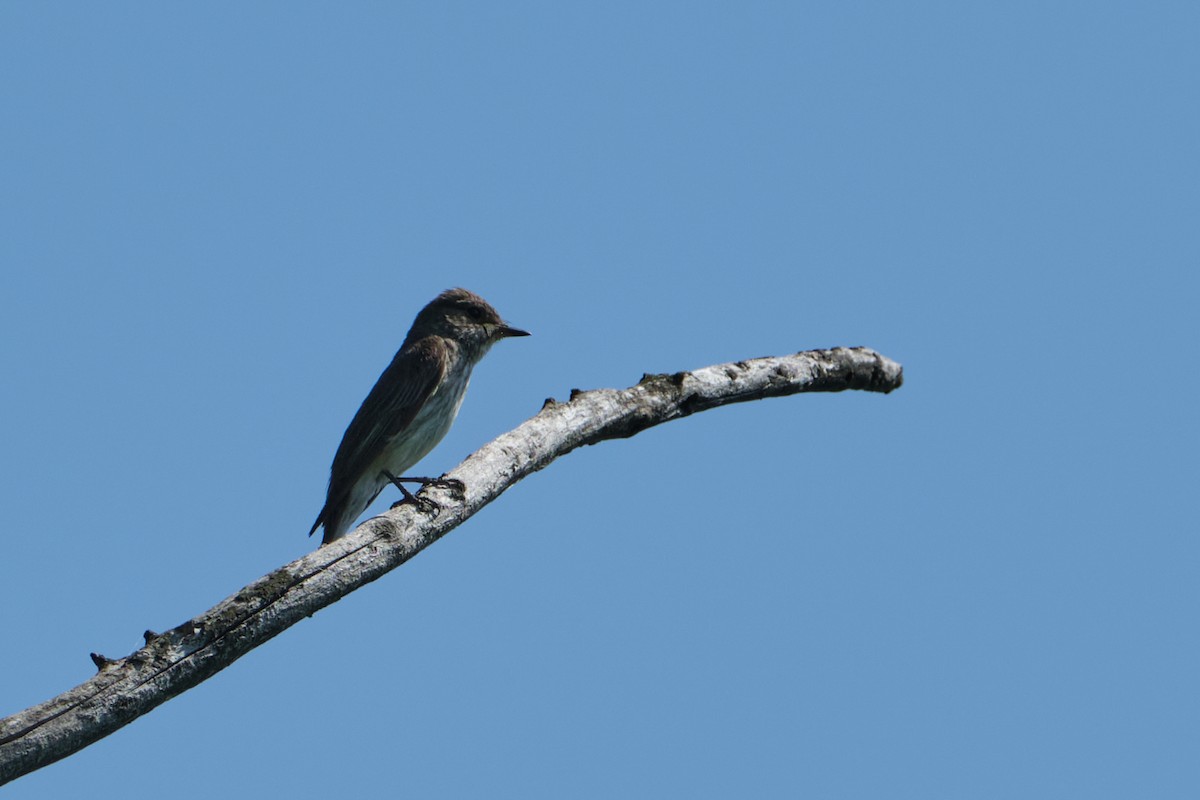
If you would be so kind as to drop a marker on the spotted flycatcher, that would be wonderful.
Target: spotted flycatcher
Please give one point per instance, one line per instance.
(413, 404)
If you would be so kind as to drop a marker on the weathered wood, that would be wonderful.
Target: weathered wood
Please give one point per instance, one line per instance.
(178, 659)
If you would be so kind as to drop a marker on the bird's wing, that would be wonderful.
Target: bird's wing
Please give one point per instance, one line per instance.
(403, 388)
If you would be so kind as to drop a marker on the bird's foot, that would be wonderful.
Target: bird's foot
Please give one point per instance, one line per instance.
(425, 504)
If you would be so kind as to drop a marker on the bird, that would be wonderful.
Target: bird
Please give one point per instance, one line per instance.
(411, 407)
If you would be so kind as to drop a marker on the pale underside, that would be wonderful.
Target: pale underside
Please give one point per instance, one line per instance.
(409, 446)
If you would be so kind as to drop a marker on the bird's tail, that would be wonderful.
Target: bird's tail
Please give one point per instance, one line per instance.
(334, 521)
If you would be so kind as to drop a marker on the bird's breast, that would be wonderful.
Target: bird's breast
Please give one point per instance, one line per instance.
(430, 425)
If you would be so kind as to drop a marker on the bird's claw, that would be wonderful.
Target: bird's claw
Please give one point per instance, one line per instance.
(423, 504)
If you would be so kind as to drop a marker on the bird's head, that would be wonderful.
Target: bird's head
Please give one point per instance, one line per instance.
(464, 317)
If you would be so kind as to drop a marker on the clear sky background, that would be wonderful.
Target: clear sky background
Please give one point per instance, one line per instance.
(218, 220)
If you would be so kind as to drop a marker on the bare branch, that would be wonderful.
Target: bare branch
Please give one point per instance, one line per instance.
(178, 659)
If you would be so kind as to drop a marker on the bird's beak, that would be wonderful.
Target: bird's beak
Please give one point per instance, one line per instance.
(504, 331)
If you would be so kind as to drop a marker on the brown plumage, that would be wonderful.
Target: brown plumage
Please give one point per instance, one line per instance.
(412, 405)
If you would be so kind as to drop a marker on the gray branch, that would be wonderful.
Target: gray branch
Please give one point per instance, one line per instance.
(172, 662)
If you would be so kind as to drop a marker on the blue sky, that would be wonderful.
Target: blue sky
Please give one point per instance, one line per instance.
(217, 222)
